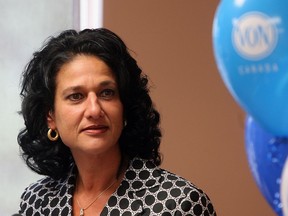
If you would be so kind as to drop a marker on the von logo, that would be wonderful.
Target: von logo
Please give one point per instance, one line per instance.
(254, 35)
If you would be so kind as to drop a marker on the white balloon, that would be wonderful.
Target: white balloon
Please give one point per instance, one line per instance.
(284, 188)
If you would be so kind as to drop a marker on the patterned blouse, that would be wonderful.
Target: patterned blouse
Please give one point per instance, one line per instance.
(145, 190)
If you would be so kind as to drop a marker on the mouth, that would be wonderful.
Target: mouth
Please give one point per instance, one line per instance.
(95, 129)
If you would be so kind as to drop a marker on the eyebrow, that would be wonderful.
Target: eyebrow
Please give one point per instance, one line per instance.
(79, 87)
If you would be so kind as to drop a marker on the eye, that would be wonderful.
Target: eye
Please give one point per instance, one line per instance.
(75, 97)
(107, 94)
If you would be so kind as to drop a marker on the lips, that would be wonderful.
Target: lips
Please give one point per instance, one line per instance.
(95, 129)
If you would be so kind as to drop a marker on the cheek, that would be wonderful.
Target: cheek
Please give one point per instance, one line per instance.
(120, 114)
(67, 118)
(118, 118)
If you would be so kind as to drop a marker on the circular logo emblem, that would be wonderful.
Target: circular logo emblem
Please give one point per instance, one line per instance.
(254, 35)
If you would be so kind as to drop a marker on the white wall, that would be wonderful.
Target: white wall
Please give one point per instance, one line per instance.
(24, 25)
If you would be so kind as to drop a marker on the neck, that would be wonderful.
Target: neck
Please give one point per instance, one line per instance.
(98, 177)
(97, 174)
(96, 170)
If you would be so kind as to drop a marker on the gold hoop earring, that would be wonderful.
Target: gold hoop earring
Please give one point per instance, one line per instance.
(50, 137)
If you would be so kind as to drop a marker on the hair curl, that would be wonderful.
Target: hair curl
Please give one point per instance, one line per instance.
(140, 137)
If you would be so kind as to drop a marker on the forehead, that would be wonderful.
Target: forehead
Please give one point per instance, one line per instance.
(82, 60)
(84, 67)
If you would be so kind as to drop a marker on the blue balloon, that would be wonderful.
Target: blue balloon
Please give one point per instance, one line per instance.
(266, 156)
(250, 41)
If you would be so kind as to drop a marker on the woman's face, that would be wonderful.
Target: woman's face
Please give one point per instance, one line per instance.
(88, 113)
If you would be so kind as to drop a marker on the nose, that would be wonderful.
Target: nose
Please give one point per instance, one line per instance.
(93, 107)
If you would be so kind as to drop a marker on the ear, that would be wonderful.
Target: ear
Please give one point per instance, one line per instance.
(51, 120)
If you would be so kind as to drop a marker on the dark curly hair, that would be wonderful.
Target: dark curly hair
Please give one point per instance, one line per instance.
(140, 137)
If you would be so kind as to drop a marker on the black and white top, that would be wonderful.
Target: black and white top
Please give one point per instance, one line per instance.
(145, 190)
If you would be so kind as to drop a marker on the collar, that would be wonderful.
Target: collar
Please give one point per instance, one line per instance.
(142, 174)
(140, 177)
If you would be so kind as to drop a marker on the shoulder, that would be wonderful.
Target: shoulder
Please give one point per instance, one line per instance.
(163, 191)
(187, 197)
(40, 188)
(33, 195)
(48, 185)
(42, 193)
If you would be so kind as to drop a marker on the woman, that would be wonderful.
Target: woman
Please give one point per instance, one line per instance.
(92, 130)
